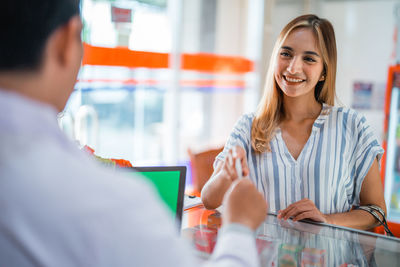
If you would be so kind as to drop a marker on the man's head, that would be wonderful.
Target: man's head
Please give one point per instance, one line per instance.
(40, 48)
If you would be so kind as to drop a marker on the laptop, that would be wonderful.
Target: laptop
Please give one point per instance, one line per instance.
(170, 184)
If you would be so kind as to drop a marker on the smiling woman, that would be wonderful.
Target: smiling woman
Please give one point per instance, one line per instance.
(311, 160)
(299, 65)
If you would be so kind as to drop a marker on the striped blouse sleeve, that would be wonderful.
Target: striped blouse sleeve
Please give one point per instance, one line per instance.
(240, 136)
(366, 150)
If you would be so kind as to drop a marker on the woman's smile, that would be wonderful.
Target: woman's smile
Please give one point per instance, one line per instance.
(293, 80)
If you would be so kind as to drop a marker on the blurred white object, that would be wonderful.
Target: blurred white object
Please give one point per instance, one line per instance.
(238, 165)
(87, 126)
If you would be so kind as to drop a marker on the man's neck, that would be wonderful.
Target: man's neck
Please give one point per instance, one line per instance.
(18, 81)
(27, 84)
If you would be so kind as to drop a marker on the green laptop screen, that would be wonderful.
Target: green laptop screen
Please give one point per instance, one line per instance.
(167, 184)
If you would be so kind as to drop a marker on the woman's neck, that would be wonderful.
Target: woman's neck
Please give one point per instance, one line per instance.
(298, 110)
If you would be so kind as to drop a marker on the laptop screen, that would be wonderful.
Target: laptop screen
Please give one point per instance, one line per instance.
(170, 184)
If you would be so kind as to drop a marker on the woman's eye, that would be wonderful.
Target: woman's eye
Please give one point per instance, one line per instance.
(309, 59)
(285, 54)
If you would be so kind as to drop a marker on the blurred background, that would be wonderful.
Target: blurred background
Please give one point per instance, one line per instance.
(163, 80)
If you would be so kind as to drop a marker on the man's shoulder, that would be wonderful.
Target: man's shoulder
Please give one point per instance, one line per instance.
(47, 167)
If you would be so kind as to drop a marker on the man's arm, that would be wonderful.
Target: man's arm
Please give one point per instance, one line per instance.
(244, 210)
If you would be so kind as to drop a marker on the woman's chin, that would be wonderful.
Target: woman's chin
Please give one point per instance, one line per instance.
(291, 94)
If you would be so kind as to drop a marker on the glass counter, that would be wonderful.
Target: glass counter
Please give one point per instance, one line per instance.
(289, 243)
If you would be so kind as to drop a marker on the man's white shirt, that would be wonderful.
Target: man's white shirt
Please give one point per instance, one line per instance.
(59, 208)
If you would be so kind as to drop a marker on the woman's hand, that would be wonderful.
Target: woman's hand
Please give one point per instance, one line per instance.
(228, 170)
(223, 177)
(303, 209)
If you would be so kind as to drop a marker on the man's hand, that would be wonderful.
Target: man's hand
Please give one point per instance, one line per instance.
(244, 204)
(303, 209)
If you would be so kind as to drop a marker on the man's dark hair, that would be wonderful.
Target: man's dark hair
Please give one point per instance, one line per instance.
(25, 26)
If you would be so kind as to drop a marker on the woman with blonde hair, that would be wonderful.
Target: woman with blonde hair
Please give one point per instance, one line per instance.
(310, 159)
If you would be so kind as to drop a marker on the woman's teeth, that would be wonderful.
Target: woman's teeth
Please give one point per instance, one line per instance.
(293, 80)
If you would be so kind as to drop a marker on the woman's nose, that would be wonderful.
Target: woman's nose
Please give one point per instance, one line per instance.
(295, 65)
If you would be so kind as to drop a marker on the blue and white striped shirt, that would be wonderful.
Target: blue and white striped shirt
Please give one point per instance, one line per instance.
(329, 170)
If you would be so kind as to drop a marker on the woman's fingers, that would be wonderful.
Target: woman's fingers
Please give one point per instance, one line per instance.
(314, 215)
(229, 166)
(294, 210)
(303, 209)
(241, 155)
(289, 211)
(238, 153)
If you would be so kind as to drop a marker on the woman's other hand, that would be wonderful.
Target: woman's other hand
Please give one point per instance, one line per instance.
(303, 209)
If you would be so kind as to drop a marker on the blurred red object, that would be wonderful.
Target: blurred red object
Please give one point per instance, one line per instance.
(113, 162)
(205, 239)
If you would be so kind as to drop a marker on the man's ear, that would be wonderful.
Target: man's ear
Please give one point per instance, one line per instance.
(66, 40)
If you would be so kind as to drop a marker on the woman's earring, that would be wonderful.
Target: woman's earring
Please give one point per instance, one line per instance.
(322, 78)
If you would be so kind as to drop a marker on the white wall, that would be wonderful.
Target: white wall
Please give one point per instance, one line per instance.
(364, 31)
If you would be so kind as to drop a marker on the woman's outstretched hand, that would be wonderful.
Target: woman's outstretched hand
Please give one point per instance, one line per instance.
(303, 209)
(228, 169)
(224, 175)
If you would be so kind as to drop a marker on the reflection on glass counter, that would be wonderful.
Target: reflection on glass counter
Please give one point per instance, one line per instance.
(288, 243)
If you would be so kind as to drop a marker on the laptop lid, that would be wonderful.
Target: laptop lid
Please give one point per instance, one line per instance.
(170, 184)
